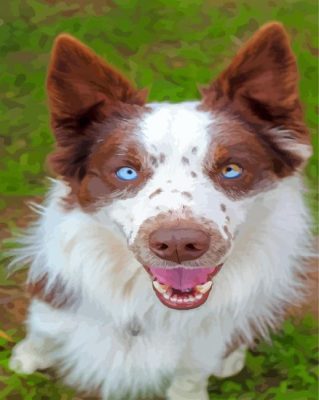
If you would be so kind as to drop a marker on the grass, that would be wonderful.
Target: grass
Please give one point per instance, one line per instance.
(169, 46)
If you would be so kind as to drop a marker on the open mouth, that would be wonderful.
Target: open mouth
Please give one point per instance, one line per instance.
(182, 288)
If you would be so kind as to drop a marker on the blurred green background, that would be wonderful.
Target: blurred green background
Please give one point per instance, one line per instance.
(170, 46)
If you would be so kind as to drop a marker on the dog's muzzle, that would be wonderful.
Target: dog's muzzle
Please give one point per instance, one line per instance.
(182, 257)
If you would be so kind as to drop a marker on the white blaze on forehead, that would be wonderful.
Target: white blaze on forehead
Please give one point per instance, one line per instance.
(175, 129)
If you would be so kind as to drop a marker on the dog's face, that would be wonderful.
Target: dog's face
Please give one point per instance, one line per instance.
(177, 179)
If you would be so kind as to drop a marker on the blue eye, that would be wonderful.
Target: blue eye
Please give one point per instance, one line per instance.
(126, 174)
(232, 171)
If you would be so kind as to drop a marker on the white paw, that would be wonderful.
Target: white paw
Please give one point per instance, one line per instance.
(187, 388)
(233, 364)
(182, 395)
(25, 359)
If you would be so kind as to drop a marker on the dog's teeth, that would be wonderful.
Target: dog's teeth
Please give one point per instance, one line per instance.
(198, 296)
(191, 298)
(179, 300)
(185, 300)
(174, 298)
(167, 295)
(204, 288)
(160, 288)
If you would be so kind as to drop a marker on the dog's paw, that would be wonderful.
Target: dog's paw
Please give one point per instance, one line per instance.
(188, 388)
(25, 359)
(233, 363)
(182, 395)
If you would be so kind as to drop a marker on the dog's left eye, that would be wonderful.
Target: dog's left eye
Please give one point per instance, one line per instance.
(126, 174)
(232, 171)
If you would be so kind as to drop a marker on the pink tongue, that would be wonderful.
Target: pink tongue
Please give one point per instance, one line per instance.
(181, 278)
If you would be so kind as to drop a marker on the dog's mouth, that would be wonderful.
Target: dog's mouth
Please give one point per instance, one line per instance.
(182, 288)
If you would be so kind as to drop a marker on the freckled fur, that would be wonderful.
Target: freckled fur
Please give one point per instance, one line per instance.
(187, 195)
(185, 160)
(156, 192)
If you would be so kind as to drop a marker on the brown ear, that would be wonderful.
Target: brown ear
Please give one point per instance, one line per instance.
(82, 89)
(261, 87)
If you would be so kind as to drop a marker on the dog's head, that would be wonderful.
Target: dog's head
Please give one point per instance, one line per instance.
(177, 178)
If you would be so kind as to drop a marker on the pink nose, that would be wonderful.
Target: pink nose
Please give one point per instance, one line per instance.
(179, 245)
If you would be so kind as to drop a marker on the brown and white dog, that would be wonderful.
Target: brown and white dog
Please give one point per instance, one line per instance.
(173, 230)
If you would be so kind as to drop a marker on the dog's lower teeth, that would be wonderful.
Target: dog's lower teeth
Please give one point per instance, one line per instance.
(168, 292)
(185, 300)
(204, 288)
(174, 299)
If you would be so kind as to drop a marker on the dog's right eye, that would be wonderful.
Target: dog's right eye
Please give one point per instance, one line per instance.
(127, 174)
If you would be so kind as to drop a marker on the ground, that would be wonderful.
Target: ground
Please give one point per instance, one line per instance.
(171, 47)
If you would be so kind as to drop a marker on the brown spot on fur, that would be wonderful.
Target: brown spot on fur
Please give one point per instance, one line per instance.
(187, 194)
(185, 160)
(193, 174)
(56, 294)
(154, 161)
(260, 88)
(223, 207)
(155, 193)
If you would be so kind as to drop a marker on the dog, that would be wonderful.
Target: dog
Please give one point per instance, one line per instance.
(174, 234)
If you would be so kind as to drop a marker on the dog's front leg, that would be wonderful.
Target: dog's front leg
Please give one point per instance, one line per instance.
(45, 328)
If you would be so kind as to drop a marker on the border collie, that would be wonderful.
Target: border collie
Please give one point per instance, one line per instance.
(174, 233)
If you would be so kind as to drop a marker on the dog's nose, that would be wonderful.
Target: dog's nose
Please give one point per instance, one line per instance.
(179, 245)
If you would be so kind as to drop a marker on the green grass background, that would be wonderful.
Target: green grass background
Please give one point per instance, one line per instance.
(170, 46)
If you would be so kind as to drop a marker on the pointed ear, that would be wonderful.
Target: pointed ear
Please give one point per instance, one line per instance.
(78, 80)
(82, 89)
(261, 87)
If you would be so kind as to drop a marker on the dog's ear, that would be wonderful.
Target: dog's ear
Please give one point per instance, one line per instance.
(261, 87)
(82, 89)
